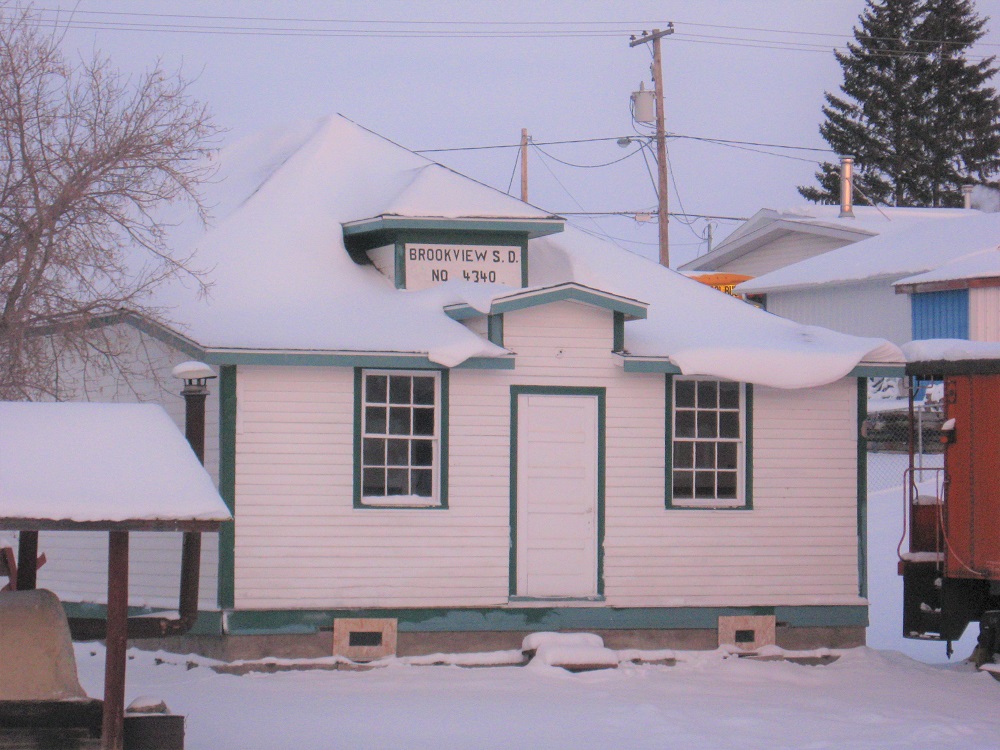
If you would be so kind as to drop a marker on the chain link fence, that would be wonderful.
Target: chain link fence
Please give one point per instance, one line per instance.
(889, 430)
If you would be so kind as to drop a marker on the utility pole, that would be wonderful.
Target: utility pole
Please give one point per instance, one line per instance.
(524, 164)
(661, 134)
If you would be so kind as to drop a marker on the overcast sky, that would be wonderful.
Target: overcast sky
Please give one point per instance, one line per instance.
(752, 71)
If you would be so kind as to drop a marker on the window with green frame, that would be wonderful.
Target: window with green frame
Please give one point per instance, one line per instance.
(708, 460)
(399, 432)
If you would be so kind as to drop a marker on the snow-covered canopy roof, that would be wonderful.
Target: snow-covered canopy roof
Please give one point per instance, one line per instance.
(282, 279)
(916, 249)
(768, 225)
(113, 464)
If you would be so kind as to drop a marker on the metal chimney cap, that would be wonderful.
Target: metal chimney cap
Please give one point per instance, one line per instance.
(193, 371)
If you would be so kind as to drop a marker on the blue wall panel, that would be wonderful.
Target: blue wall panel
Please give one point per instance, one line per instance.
(941, 315)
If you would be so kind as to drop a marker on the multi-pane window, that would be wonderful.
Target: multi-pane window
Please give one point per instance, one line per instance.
(400, 438)
(708, 443)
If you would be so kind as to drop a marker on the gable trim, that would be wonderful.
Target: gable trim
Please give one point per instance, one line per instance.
(631, 309)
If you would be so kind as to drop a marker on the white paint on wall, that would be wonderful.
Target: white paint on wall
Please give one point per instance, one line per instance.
(867, 309)
(984, 314)
(301, 543)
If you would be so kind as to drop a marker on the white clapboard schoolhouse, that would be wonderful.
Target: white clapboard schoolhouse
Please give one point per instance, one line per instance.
(443, 411)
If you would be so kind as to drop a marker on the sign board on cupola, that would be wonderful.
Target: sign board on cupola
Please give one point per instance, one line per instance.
(421, 253)
(428, 264)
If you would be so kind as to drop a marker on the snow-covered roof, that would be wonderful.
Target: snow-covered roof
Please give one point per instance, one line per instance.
(984, 264)
(950, 350)
(768, 225)
(100, 463)
(282, 279)
(916, 249)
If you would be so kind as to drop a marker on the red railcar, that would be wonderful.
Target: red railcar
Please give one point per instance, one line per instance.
(951, 573)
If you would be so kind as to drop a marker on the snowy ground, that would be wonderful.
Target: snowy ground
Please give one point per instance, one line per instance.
(868, 699)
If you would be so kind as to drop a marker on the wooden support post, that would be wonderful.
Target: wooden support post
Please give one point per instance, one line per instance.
(27, 560)
(190, 576)
(112, 728)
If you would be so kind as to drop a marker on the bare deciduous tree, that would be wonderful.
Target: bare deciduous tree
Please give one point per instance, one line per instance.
(89, 157)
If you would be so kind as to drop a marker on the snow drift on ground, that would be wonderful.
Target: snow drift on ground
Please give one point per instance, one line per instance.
(867, 699)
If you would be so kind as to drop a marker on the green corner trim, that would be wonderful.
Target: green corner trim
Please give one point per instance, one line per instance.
(227, 484)
(494, 329)
(527, 619)
(399, 264)
(443, 450)
(543, 390)
(618, 335)
(668, 451)
(862, 489)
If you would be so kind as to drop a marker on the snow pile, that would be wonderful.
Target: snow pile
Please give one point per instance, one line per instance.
(917, 249)
(575, 657)
(534, 641)
(100, 462)
(950, 350)
(573, 651)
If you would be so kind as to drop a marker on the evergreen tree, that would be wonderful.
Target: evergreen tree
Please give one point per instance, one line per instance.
(919, 118)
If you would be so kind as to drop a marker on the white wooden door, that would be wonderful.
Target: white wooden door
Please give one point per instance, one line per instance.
(556, 496)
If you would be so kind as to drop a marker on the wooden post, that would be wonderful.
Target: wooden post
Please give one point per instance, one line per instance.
(663, 209)
(27, 560)
(116, 641)
(524, 164)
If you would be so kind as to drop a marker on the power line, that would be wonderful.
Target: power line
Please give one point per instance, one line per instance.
(619, 26)
(587, 166)
(224, 25)
(670, 136)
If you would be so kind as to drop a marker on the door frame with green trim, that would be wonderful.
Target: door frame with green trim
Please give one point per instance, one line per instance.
(537, 390)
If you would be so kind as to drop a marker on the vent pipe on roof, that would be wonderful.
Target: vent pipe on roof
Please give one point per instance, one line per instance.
(846, 187)
(967, 196)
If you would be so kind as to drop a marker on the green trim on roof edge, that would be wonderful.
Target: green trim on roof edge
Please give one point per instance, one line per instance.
(320, 359)
(533, 228)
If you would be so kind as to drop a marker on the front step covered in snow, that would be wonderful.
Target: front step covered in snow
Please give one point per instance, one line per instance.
(576, 652)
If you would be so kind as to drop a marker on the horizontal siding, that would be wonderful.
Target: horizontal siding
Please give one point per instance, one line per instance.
(984, 314)
(300, 542)
(77, 561)
(864, 309)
